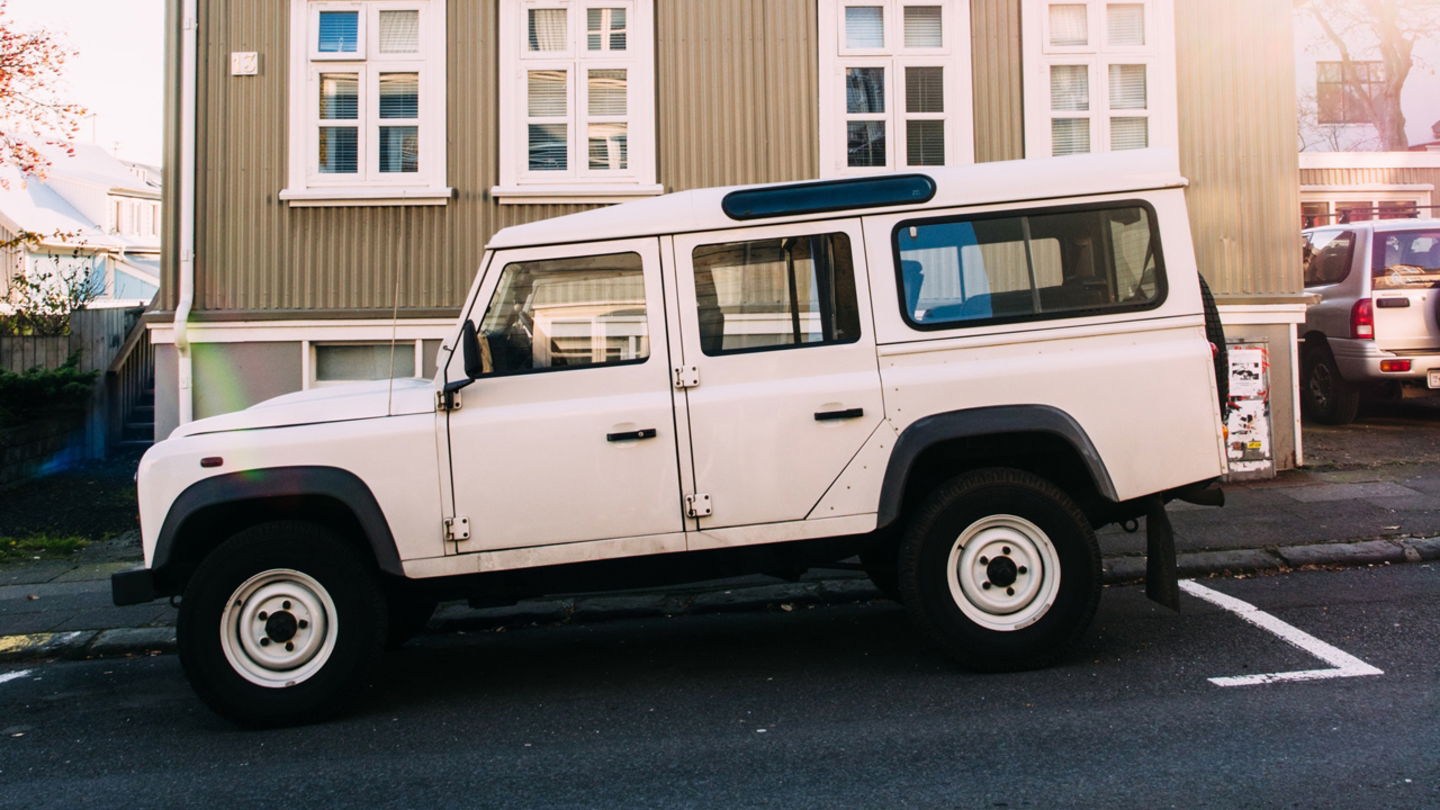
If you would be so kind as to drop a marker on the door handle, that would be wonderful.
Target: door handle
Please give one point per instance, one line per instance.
(830, 416)
(631, 435)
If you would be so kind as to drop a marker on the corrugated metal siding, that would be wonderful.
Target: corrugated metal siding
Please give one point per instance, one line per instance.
(256, 253)
(1236, 85)
(736, 91)
(1369, 177)
(999, 98)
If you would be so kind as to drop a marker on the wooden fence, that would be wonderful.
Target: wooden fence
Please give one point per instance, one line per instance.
(96, 334)
(99, 336)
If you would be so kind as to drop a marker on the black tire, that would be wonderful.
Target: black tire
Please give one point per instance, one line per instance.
(408, 614)
(881, 561)
(1325, 396)
(322, 635)
(1215, 333)
(1017, 523)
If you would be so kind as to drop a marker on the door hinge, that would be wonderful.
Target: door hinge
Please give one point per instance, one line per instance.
(697, 505)
(687, 377)
(447, 401)
(457, 528)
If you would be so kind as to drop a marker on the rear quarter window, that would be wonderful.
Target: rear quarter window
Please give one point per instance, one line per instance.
(1407, 260)
(1031, 265)
(1328, 257)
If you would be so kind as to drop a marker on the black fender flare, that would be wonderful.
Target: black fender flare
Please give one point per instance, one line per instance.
(273, 482)
(988, 421)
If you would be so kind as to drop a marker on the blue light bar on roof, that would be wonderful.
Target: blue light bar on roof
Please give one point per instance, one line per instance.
(828, 195)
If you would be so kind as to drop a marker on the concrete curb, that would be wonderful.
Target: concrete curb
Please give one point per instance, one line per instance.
(785, 596)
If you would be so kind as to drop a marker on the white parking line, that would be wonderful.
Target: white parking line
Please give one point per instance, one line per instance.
(1344, 664)
(10, 676)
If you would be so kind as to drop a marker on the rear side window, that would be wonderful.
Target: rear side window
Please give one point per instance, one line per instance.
(1327, 257)
(1407, 260)
(775, 294)
(1042, 264)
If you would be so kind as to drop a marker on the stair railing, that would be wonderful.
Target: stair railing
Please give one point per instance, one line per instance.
(129, 377)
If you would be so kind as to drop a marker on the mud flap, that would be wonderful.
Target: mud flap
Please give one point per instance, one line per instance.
(1162, 577)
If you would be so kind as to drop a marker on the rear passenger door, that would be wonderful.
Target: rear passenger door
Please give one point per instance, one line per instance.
(776, 337)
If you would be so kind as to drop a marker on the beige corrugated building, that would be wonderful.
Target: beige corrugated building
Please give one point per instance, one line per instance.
(340, 161)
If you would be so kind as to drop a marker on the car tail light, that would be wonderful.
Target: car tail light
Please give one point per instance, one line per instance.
(1362, 320)
(1394, 365)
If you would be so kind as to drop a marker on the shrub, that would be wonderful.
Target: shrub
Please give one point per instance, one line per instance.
(45, 392)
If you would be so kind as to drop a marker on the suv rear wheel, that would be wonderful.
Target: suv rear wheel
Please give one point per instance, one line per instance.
(1325, 396)
(1001, 569)
(282, 623)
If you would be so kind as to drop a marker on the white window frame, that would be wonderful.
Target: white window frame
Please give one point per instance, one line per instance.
(953, 56)
(1157, 54)
(306, 184)
(577, 183)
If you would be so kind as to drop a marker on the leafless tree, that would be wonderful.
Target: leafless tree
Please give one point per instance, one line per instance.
(1393, 26)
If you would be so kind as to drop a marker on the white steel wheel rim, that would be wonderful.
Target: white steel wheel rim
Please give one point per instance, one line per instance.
(278, 628)
(1004, 572)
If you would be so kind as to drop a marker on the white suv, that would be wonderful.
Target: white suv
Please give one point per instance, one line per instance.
(1374, 330)
(956, 375)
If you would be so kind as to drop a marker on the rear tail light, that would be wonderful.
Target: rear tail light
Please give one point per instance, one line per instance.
(1362, 320)
(1394, 365)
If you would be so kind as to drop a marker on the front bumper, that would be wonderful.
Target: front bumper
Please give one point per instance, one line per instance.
(133, 587)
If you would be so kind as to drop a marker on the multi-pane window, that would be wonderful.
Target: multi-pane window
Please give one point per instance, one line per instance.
(1098, 76)
(775, 293)
(895, 84)
(566, 313)
(1344, 93)
(578, 105)
(1045, 264)
(372, 99)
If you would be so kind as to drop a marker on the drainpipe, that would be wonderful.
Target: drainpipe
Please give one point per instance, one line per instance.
(184, 395)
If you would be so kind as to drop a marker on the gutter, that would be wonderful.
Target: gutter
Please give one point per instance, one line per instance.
(185, 399)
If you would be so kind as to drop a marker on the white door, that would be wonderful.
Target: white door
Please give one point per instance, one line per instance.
(776, 323)
(570, 435)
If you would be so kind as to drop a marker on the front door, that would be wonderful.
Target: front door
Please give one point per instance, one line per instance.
(570, 433)
(776, 323)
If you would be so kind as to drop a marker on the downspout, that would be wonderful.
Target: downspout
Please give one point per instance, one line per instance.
(185, 399)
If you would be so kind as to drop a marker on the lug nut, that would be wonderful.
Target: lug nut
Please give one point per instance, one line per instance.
(984, 560)
(1009, 591)
(986, 586)
(1023, 570)
(263, 616)
(1005, 551)
(265, 642)
(289, 646)
(304, 624)
(285, 604)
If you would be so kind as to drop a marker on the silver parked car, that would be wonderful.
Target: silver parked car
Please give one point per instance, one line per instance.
(1376, 328)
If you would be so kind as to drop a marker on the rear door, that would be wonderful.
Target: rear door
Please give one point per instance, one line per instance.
(1406, 289)
(778, 341)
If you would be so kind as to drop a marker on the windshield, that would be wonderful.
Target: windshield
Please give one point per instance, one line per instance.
(1407, 259)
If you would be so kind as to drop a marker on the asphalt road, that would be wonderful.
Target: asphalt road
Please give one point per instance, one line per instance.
(830, 707)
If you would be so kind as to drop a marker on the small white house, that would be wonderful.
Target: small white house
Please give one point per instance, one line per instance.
(94, 213)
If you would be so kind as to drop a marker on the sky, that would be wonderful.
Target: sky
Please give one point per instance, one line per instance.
(119, 71)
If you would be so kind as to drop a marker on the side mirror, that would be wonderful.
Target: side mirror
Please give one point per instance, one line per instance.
(470, 345)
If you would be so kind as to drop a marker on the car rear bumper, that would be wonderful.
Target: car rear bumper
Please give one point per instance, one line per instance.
(1359, 361)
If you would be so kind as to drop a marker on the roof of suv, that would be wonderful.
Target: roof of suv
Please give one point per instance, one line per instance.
(977, 184)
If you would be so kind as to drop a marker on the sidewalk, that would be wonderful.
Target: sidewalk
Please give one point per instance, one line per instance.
(62, 609)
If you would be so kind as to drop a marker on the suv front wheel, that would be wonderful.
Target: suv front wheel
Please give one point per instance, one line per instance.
(282, 623)
(1001, 569)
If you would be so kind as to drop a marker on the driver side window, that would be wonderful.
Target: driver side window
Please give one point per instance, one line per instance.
(566, 313)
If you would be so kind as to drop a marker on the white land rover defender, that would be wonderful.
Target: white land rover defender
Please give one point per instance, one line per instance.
(957, 376)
